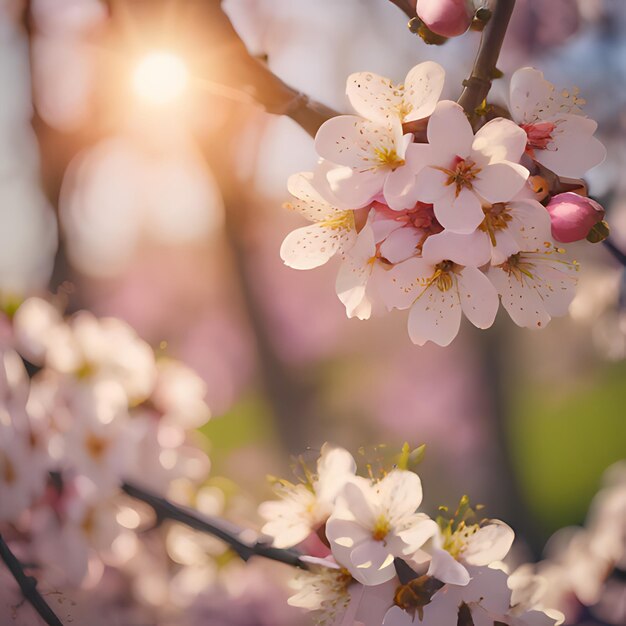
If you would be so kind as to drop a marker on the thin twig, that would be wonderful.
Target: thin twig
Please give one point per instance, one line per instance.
(28, 586)
(478, 84)
(227, 532)
(615, 251)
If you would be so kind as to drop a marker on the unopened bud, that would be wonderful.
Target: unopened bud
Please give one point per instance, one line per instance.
(448, 18)
(573, 217)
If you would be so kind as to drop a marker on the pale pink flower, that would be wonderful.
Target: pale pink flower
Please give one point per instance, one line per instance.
(333, 230)
(559, 136)
(378, 99)
(374, 522)
(534, 287)
(441, 286)
(463, 171)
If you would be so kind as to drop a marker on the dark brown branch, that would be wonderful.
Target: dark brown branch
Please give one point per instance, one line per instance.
(227, 532)
(478, 84)
(28, 585)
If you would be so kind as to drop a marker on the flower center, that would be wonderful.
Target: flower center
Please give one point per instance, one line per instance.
(497, 217)
(455, 542)
(461, 174)
(442, 276)
(539, 136)
(381, 528)
(515, 266)
(342, 221)
(387, 157)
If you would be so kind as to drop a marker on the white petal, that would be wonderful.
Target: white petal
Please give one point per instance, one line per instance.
(334, 467)
(435, 316)
(465, 249)
(530, 226)
(422, 89)
(557, 286)
(373, 97)
(574, 150)
(499, 182)
(312, 246)
(310, 202)
(500, 140)
(449, 130)
(431, 184)
(529, 94)
(401, 244)
(447, 569)
(400, 492)
(356, 188)
(421, 529)
(401, 190)
(396, 616)
(479, 298)
(489, 544)
(406, 281)
(459, 214)
(371, 563)
(519, 298)
(353, 141)
(343, 536)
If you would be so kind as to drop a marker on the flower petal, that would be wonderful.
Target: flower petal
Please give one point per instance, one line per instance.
(435, 316)
(401, 244)
(400, 492)
(449, 130)
(355, 188)
(460, 214)
(309, 202)
(499, 182)
(422, 89)
(406, 281)
(479, 298)
(529, 93)
(371, 563)
(490, 543)
(500, 140)
(465, 249)
(312, 246)
(447, 569)
(373, 97)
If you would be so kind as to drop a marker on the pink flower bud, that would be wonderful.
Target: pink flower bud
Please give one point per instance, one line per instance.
(573, 216)
(448, 18)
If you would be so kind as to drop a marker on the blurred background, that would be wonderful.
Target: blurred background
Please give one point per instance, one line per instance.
(156, 197)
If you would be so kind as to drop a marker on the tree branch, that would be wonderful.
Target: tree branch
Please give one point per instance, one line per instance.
(478, 84)
(227, 532)
(28, 585)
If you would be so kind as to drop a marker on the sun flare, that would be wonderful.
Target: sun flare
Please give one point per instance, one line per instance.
(160, 78)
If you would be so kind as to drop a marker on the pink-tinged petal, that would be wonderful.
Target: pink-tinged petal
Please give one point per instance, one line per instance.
(459, 214)
(312, 246)
(500, 140)
(506, 245)
(557, 286)
(490, 543)
(374, 603)
(530, 226)
(401, 190)
(422, 89)
(464, 249)
(489, 588)
(521, 300)
(574, 150)
(353, 141)
(529, 93)
(435, 316)
(443, 609)
(400, 491)
(343, 536)
(372, 563)
(373, 97)
(310, 202)
(355, 188)
(449, 129)
(431, 184)
(396, 616)
(447, 569)
(479, 298)
(406, 281)
(401, 244)
(501, 181)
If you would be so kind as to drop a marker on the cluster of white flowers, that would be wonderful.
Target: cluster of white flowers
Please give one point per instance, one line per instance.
(428, 215)
(100, 410)
(376, 560)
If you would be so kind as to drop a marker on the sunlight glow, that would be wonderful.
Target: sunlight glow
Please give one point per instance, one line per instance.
(160, 78)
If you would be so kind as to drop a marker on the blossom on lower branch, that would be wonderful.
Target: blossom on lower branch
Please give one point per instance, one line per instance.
(381, 562)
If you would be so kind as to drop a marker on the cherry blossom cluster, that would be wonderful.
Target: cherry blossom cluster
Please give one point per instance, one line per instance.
(100, 409)
(377, 560)
(447, 218)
